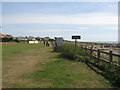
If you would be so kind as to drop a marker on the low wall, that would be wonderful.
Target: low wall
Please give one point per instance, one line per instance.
(7, 42)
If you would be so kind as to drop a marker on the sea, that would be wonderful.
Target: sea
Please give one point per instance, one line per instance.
(109, 42)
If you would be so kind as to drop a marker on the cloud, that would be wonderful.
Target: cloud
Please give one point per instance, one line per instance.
(44, 31)
(100, 37)
(81, 28)
(111, 28)
(56, 30)
(87, 18)
(60, 0)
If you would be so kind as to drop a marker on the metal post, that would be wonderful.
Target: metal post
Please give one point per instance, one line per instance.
(75, 44)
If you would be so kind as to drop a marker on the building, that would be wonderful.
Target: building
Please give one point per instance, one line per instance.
(46, 38)
(2, 35)
(59, 41)
(30, 38)
(20, 38)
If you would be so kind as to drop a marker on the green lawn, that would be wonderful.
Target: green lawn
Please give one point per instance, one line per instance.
(9, 50)
(63, 73)
(36, 66)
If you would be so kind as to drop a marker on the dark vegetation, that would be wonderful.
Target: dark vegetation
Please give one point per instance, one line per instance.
(108, 70)
(10, 39)
(7, 39)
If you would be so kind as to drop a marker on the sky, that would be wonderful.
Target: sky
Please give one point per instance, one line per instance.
(94, 21)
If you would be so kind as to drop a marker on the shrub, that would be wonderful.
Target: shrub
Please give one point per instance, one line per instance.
(108, 70)
(69, 51)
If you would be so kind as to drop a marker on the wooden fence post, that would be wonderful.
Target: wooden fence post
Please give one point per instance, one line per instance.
(98, 55)
(91, 50)
(85, 49)
(110, 56)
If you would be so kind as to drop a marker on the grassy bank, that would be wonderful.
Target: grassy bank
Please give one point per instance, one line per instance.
(109, 71)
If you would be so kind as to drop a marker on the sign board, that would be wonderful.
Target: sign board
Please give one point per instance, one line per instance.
(76, 37)
(59, 41)
(30, 38)
(33, 42)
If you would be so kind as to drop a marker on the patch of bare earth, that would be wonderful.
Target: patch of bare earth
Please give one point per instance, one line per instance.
(20, 64)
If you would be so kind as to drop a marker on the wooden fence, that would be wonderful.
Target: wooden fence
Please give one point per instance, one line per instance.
(99, 58)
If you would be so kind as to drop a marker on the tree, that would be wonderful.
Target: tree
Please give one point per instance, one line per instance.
(5, 39)
(16, 40)
(51, 40)
(37, 38)
(42, 39)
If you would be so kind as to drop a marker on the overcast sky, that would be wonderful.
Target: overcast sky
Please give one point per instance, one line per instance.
(94, 21)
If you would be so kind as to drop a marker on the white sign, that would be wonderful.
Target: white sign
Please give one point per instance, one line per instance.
(59, 41)
(33, 42)
(36, 41)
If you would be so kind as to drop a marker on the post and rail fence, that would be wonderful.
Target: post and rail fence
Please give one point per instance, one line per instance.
(100, 52)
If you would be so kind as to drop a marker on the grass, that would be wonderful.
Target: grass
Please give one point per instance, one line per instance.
(9, 50)
(64, 73)
(36, 66)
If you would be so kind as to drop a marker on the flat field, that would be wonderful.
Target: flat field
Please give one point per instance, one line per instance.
(37, 66)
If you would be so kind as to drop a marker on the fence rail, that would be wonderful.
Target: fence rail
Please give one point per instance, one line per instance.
(99, 58)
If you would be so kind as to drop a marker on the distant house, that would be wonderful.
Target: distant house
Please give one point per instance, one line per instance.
(30, 38)
(51, 39)
(9, 36)
(46, 38)
(21, 38)
(5, 38)
(38, 38)
(2, 35)
(33, 38)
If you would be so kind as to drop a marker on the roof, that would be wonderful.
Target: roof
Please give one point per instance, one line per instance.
(2, 35)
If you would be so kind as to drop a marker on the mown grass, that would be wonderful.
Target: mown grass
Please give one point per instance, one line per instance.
(9, 50)
(63, 73)
(52, 72)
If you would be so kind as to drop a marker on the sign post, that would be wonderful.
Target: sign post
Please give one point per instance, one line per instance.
(76, 37)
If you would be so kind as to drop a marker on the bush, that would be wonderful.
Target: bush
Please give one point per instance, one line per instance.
(113, 73)
(69, 51)
(7, 39)
(108, 70)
